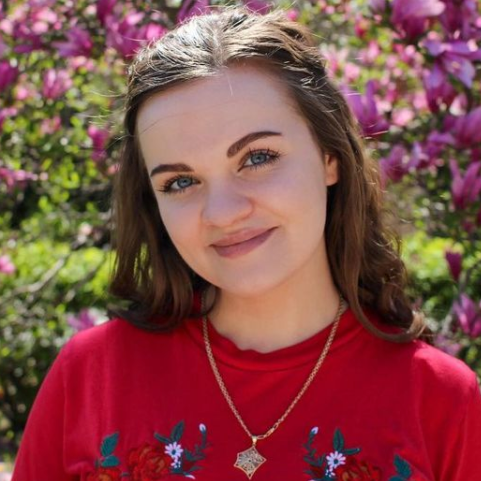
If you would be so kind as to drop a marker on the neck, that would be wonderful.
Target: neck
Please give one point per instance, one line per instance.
(283, 316)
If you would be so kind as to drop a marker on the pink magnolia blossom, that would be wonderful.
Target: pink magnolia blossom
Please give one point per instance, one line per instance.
(25, 91)
(395, 166)
(335, 58)
(465, 190)
(439, 90)
(191, 8)
(31, 23)
(459, 16)
(99, 139)
(366, 110)
(370, 54)
(361, 25)
(435, 145)
(410, 15)
(259, 6)
(126, 36)
(455, 264)
(78, 43)
(418, 158)
(402, 117)
(8, 74)
(151, 31)
(26, 41)
(351, 72)
(377, 6)
(6, 265)
(468, 315)
(83, 320)
(15, 178)
(467, 129)
(292, 14)
(50, 126)
(56, 83)
(104, 9)
(454, 57)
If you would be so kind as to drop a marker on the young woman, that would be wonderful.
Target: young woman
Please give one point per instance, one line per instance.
(267, 334)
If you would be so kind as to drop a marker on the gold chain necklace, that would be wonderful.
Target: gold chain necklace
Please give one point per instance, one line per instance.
(250, 460)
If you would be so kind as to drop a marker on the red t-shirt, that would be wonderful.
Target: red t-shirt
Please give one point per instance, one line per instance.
(123, 403)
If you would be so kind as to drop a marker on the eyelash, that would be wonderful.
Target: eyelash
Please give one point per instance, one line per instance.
(273, 156)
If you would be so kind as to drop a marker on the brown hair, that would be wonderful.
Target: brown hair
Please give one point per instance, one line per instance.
(363, 256)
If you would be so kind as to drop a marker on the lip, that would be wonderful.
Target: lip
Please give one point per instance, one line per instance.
(238, 237)
(242, 242)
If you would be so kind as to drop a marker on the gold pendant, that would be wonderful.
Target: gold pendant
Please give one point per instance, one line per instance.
(250, 460)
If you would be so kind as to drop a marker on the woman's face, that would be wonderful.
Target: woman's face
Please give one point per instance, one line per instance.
(239, 182)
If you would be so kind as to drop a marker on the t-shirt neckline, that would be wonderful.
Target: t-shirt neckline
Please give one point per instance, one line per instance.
(305, 352)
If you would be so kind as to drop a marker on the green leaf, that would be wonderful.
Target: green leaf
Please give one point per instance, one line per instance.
(351, 451)
(162, 439)
(109, 444)
(310, 461)
(397, 478)
(177, 431)
(402, 467)
(110, 462)
(338, 442)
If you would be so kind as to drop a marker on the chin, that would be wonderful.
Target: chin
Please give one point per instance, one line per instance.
(252, 285)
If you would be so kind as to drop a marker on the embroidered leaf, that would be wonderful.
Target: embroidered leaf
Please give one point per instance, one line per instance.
(161, 439)
(338, 441)
(351, 452)
(203, 441)
(110, 462)
(310, 461)
(109, 444)
(402, 467)
(188, 455)
(177, 431)
(397, 478)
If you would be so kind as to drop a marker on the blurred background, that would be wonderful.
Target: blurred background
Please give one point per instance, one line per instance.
(411, 70)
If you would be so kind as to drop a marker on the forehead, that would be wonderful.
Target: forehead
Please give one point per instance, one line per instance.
(222, 104)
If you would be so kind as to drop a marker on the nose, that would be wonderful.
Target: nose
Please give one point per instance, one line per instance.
(225, 204)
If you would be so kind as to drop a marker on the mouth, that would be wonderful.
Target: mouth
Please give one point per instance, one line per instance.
(242, 243)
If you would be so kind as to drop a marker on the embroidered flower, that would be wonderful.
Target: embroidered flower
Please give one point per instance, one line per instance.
(358, 470)
(335, 459)
(105, 474)
(148, 462)
(174, 450)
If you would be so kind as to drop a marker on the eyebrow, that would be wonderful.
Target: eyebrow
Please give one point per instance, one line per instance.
(235, 148)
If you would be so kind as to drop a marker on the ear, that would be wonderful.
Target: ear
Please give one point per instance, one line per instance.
(331, 169)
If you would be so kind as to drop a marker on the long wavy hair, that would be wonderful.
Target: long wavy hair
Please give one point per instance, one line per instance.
(364, 258)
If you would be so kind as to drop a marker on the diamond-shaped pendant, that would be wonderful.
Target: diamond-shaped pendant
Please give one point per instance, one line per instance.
(249, 461)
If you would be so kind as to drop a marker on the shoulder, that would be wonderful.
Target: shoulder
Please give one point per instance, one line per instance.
(423, 364)
(116, 339)
(427, 373)
(439, 370)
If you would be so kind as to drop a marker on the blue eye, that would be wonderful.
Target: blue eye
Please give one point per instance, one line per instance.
(182, 181)
(260, 158)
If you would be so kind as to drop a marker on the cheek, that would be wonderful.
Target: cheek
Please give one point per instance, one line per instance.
(181, 224)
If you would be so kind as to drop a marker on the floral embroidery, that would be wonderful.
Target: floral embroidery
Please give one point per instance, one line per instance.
(403, 470)
(343, 464)
(151, 461)
(183, 460)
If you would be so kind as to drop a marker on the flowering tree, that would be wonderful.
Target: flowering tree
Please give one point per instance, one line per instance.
(410, 69)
